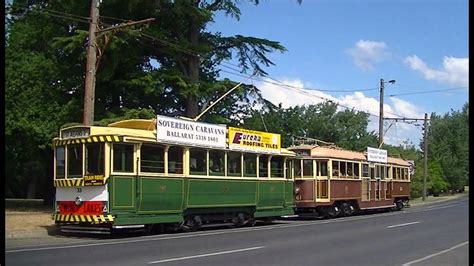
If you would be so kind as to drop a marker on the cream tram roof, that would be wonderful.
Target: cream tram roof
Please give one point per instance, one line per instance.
(338, 153)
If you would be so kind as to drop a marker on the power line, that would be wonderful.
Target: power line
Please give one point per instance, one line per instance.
(428, 91)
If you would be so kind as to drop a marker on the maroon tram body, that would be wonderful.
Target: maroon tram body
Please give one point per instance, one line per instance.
(333, 182)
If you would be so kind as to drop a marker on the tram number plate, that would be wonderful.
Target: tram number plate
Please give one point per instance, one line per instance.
(94, 180)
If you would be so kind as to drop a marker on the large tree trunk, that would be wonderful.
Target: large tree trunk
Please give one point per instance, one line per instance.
(192, 108)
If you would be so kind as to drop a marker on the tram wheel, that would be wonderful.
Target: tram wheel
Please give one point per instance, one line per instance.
(334, 211)
(238, 220)
(346, 209)
(192, 223)
(399, 204)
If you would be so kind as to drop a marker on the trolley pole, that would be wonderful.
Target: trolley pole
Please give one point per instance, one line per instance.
(89, 90)
(425, 151)
(381, 114)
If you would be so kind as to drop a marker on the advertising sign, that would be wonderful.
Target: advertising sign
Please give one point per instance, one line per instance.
(181, 131)
(376, 155)
(244, 139)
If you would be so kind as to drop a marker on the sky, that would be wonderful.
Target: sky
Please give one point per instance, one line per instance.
(349, 46)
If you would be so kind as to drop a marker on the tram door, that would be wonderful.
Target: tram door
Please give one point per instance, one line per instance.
(322, 183)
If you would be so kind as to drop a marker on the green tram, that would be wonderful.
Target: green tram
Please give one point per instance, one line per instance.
(144, 174)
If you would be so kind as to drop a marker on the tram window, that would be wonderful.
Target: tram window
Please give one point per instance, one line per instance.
(365, 170)
(276, 165)
(60, 161)
(95, 159)
(297, 165)
(398, 173)
(307, 168)
(216, 162)
(288, 167)
(323, 168)
(372, 172)
(335, 168)
(197, 161)
(382, 172)
(394, 172)
(250, 165)
(152, 158)
(234, 164)
(74, 161)
(405, 173)
(377, 171)
(356, 170)
(123, 158)
(175, 160)
(342, 167)
(350, 170)
(263, 166)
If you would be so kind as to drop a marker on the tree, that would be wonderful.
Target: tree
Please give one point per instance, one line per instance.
(169, 67)
(347, 129)
(449, 144)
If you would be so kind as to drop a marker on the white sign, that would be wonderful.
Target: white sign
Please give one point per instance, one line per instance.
(376, 155)
(181, 131)
(411, 167)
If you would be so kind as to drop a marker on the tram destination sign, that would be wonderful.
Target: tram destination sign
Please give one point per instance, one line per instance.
(376, 155)
(180, 131)
(75, 132)
(244, 139)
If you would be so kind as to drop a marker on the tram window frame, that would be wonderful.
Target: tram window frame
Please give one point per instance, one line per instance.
(335, 169)
(305, 168)
(250, 165)
(298, 170)
(263, 165)
(288, 168)
(365, 170)
(175, 160)
(216, 162)
(342, 169)
(372, 172)
(350, 170)
(100, 159)
(234, 170)
(405, 173)
(399, 177)
(80, 160)
(60, 165)
(200, 164)
(280, 167)
(127, 164)
(323, 168)
(152, 154)
(382, 172)
(356, 171)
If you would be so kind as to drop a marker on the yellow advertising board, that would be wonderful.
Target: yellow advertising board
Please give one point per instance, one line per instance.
(244, 139)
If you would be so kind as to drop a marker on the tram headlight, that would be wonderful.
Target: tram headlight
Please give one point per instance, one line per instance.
(297, 190)
(78, 201)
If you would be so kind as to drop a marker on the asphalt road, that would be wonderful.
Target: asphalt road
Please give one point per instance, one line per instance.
(432, 234)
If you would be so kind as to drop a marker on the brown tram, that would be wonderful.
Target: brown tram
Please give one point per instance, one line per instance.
(333, 182)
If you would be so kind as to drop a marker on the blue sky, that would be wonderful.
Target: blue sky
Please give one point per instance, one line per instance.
(350, 45)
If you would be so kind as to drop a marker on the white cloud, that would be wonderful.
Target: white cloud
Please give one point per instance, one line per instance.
(366, 53)
(395, 135)
(455, 70)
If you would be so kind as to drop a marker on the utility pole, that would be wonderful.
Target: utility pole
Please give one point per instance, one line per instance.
(425, 151)
(381, 114)
(89, 93)
(425, 146)
(381, 111)
(91, 66)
